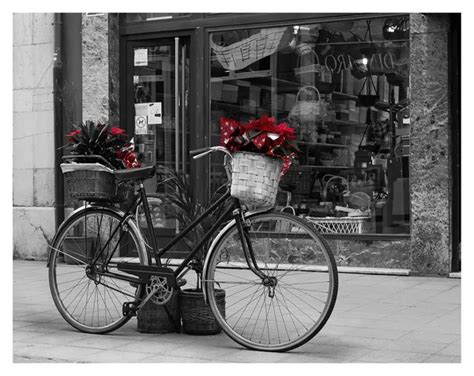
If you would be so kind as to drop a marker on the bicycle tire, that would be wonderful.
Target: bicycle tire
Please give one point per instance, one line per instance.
(93, 303)
(289, 249)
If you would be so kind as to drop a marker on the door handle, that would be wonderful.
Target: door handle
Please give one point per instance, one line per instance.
(176, 102)
(176, 111)
(183, 108)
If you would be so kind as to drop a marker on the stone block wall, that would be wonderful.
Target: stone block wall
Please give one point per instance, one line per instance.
(33, 134)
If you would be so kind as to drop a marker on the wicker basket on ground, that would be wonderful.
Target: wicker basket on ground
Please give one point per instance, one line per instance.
(154, 318)
(196, 315)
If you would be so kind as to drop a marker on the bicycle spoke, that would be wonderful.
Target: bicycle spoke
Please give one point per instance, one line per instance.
(282, 286)
(70, 289)
(85, 305)
(254, 308)
(237, 302)
(246, 279)
(285, 305)
(86, 284)
(244, 309)
(250, 301)
(117, 303)
(267, 309)
(304, 291)
(276, 321)
(259, 312)
(283, 319)
(298, 308)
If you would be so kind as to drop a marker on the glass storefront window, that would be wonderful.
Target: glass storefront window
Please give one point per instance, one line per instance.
(344, 87)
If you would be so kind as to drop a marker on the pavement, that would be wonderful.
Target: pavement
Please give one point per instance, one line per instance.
(377, 319)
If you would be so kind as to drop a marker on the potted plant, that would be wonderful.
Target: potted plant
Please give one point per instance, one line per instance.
(262, 152)
(197, 317)
(111, 143)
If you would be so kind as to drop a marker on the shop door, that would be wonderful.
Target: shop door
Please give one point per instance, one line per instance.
(157, 114)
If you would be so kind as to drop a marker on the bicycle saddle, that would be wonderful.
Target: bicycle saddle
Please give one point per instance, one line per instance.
(140, 173)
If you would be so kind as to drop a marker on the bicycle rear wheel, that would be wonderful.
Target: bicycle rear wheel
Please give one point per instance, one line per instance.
(91, 298)
(293, 303)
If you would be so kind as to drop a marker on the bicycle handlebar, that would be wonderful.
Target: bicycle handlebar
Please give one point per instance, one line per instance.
(199, 153)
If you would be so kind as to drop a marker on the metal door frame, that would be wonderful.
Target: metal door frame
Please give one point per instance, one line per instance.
(197, 128)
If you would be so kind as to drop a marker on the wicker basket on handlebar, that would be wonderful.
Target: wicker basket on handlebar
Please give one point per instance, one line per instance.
(255, 179)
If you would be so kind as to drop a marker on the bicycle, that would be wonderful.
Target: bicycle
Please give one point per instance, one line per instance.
(279, 275)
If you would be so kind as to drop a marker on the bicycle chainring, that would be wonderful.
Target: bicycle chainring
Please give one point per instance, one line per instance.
(162, 292)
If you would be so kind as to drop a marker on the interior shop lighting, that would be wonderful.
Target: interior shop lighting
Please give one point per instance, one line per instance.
(91, 14)
(159, 18)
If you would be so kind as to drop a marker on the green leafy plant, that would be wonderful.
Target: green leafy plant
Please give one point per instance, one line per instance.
(186, 209)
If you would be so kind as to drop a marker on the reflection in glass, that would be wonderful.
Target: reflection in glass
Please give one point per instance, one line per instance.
(344, 87)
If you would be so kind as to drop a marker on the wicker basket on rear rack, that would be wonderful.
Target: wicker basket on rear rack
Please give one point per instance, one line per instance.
(91, 182)
(255, 179)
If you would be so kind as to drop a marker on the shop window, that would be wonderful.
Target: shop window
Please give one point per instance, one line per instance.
(344, 87)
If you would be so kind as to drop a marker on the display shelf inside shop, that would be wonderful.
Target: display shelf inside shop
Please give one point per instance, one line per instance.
(242, 75)
(168, 129)
(320, 167)
(346, 123)
(337, 96)
(395, 107)
(217, 103)
(345, 225)
(379, 43)
(318, 145)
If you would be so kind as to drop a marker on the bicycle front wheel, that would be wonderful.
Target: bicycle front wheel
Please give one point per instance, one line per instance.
(90, 296)
(292, 303)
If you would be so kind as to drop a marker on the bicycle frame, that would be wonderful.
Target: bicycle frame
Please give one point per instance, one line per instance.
(233, 208)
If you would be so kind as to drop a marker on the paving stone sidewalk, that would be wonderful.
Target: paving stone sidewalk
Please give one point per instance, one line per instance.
(387, 319)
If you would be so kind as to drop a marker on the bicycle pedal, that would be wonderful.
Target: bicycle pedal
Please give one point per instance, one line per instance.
(181, 282)
(129, 309)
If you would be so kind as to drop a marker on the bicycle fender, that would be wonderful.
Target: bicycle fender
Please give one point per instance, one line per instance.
(130, 222)
(219, 237)
(79, 209)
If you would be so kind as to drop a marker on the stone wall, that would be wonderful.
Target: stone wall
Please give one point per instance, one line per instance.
(33, 134)
(429, 160)
(95, 68)
(100, 67)
(114, 72)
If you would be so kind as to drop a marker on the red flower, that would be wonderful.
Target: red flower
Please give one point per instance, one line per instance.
(286, 163)
(71, 135)
(229, 130)
(284, 130)
(261, 136)
(129, 158)
(115, 131)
